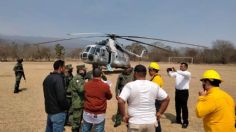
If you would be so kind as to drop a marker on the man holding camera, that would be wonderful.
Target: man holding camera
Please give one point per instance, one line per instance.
(182, 79)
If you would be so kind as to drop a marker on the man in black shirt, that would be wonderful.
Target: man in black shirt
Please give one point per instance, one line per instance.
(55, 98)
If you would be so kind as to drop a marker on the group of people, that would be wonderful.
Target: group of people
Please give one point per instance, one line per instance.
(83, 98)
(70, 99)
(147, 100)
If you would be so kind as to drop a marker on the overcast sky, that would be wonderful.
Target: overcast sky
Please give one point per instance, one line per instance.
(193, 21)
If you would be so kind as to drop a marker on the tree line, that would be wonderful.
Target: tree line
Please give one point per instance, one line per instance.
(12, 51)
(221, 52)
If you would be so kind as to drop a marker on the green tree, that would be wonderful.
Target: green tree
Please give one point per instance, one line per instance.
(60, 51)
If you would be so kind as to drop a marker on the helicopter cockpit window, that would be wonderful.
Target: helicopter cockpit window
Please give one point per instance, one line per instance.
(102, 52)
(97, 50)
(87, 49)
(92, 50)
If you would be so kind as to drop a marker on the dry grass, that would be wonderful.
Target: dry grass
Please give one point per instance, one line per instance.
(25, 111)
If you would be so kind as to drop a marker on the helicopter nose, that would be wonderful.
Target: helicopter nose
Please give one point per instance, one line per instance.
(84, 56)
(90, 57)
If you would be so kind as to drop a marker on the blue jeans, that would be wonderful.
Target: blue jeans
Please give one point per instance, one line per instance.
(86, 127)
(55, 122)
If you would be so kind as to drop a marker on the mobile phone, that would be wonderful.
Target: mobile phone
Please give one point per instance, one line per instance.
(204, 86)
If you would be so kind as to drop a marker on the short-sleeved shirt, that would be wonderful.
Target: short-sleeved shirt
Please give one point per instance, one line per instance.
(141, 96)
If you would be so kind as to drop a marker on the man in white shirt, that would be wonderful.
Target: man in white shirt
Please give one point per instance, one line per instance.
(140, 96)
(182, 79)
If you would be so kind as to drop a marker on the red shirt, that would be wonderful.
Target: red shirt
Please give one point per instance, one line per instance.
(96, 94)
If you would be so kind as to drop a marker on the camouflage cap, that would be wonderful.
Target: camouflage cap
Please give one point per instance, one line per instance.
(19, 60)
(80, 67)
(69, 66)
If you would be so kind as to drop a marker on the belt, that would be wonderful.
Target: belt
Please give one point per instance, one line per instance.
(181, 89)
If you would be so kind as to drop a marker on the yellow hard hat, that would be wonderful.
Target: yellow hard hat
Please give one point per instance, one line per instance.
(154, 65)
(211, 74)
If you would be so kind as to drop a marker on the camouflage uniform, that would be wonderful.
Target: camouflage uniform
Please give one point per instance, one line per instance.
(76, 86)
(68, 75)
(67, 78)
(89, 75)
(125, 77)
(19, 72)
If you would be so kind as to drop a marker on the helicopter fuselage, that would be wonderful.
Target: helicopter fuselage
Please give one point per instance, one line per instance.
(101, 55)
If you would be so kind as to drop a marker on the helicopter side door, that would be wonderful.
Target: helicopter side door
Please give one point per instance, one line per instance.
(120, 60)
(104, 56)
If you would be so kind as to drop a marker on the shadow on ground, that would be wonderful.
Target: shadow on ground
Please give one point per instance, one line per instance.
(170, 117)
(22, 89)
(113, 72)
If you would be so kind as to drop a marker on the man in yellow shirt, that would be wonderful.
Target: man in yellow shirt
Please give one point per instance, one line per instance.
(156, 78)
(153, 72)
(215, 106)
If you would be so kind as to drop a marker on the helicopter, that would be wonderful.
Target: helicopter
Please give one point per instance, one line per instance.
(110, 53)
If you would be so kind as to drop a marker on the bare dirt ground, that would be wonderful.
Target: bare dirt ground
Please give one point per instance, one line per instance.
(24, 112)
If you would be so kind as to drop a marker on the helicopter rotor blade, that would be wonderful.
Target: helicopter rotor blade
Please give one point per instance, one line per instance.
(64, 39)
(81, 34)
(144, 43)
(165, 40)
(58, 40)
(110, 35)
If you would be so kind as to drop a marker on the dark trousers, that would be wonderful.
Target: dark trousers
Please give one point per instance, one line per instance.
(158, 104)
(181, 104)
(17, 84)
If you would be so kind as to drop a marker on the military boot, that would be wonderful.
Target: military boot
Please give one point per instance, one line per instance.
(17, 87)
(16, 90)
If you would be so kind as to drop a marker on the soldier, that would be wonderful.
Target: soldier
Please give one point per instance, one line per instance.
(89, 75)
(77, 92)
(19, 72)
(68, 77)
(125, 77)
(82, 71)
(68, 74)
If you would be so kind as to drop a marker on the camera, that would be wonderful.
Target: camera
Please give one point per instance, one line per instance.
(169, 69)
